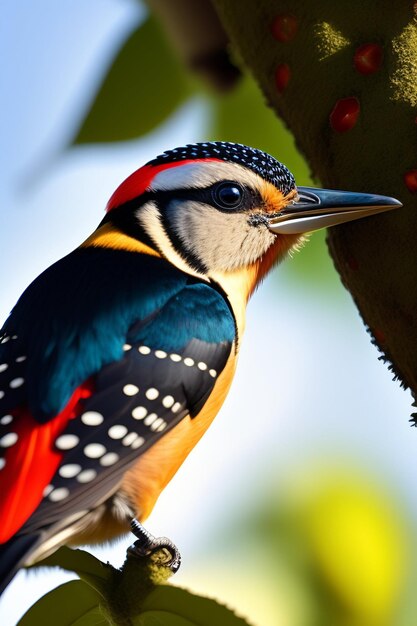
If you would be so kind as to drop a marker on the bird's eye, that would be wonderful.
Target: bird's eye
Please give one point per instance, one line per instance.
(228, 195)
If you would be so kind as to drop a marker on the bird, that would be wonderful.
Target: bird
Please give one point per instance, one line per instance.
(116, 359)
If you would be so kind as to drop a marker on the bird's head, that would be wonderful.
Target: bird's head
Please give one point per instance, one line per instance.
(218, 208)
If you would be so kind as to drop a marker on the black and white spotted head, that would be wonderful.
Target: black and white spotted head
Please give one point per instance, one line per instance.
(218, 207)
(205, 205)
(261, 163)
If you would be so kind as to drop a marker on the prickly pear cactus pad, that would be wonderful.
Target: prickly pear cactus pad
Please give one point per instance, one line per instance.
(343, 76)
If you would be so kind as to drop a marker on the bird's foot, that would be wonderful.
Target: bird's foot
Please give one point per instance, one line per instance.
(147, 544)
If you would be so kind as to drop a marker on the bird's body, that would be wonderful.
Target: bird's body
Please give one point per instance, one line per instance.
(116, 359)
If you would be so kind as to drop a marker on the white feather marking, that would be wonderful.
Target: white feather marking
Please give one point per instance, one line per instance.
(203, 174)
(223, 241)
(149, 217)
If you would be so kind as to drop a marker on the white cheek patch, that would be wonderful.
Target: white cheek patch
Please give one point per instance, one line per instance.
(223, 241)
(148, 216)
(203, 174)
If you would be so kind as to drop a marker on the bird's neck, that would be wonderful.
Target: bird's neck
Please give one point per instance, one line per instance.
(238, 285)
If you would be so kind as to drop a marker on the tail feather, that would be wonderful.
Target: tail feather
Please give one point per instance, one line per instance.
(13, 555)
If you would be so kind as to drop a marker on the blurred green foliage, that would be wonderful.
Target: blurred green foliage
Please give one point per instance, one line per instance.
(339, 543)
(146, 84)
(335, 548)
(351, 545)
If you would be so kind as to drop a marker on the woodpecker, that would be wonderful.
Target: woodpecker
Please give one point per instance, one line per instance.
(116, 359)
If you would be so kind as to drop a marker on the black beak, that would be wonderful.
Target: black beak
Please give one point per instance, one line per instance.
(321, 208)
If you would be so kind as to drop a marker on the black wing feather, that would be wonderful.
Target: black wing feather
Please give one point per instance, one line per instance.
(169, 387)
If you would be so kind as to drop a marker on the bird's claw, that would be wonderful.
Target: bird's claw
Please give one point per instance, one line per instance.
(148, 545)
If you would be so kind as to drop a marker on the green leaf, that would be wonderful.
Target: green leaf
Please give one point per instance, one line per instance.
(160, 618)
(143, 87)
(72, 604)
(77, 604)
(129, 596)
(88, 568)
(167, 605)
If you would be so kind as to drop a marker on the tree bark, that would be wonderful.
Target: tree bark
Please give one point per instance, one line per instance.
(343, 76)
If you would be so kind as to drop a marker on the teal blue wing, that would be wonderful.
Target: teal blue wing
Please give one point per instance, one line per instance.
(150, 340)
